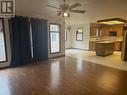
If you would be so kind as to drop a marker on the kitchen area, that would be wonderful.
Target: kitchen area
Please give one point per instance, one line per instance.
(106, 36)
(107, 44)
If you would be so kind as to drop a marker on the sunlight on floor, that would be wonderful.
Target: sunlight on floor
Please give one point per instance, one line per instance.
(113, 61)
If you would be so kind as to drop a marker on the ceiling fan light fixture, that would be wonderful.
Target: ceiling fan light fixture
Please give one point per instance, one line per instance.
(65, 9)
(66, 14)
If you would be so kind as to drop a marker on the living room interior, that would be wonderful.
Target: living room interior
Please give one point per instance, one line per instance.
(63, 47)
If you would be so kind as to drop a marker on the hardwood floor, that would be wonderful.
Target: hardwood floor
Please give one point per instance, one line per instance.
(63, 76)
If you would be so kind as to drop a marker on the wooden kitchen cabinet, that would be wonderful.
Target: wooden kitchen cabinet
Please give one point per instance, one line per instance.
(104, 48)
(118, 45)
(92, 46)
(93, 29)
(119, 30)
(106, 29)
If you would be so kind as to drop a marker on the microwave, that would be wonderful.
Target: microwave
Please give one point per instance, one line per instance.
(112, 33)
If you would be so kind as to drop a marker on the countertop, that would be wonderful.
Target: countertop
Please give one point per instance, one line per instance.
(106, 42)
(101, 39)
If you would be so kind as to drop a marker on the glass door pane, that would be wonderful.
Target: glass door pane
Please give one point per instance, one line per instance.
(54, 38)
(2, 43)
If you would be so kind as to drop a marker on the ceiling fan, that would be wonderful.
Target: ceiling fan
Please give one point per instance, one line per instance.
(65, 9)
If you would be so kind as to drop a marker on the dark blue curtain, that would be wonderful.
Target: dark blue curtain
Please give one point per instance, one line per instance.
(40, 39)
(20, 41)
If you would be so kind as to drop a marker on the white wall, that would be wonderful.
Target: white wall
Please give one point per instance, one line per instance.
(79, 44)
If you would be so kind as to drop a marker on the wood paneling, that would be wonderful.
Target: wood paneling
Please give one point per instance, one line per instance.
(63, 76)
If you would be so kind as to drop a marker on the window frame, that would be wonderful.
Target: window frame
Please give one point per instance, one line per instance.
(59, 37)
(79, 33)
(5, 44)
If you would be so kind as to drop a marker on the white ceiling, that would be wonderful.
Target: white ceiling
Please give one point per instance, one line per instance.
(95, 9)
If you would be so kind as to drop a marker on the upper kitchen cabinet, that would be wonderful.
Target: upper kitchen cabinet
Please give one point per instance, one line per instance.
(105, 30)
(93, 30)
(115, 30)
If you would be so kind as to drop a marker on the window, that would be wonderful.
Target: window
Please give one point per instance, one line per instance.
(3, 57)
(54, 38)
(79, 34)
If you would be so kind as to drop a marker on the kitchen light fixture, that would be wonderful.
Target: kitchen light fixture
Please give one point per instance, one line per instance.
(112, 21)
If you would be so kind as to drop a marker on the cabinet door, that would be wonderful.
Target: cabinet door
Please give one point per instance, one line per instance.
(119, 31)
(92, 46)
(104, 31)
(93, 31)
(118, 45)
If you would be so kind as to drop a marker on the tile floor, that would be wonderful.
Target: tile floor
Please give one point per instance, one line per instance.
(113, 61)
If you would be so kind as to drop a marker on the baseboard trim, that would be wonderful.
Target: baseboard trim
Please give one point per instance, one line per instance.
(56, 56)
(79, 49)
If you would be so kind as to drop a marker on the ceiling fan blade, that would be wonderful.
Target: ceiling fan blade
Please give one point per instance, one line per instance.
(50, 12)
(78, 11)
(75, 5)
(53, 7)
(59, 13)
